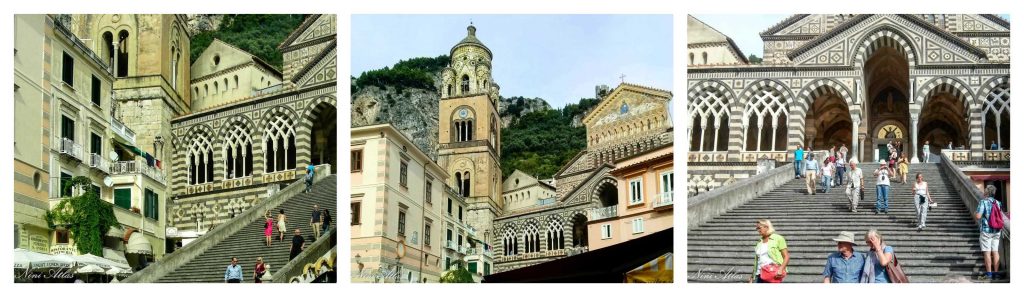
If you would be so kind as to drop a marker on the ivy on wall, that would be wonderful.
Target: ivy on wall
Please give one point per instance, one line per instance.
(86, 217)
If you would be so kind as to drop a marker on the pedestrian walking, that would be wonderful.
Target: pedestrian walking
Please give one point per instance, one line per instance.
(883, 175)
(811, 173)
(840, 169)
(798, 160)
(856, 185)
(233, 274)
(282, 224)
(261, 268)
(903, 167)
(327, 220)
(827, 172)
(989, 215)
(315, 220)
(878, 257)
(310, 170)
(771, 255)
(268, 230)
(298, 244)
(926, 152)
(922, 198)
(844, 265)
(844, 151)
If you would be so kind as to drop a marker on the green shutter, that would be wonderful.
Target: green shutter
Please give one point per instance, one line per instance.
(65, 181)
(472, 267)
(123, 198)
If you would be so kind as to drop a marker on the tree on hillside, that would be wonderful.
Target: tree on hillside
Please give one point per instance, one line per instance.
(754, 59)
(258, 34)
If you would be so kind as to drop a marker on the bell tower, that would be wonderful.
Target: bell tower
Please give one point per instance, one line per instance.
(470, 140)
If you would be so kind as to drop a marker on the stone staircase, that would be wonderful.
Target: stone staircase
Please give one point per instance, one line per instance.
(722, 249)
(248, 243)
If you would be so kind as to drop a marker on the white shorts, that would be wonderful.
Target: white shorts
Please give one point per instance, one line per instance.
(990, 241)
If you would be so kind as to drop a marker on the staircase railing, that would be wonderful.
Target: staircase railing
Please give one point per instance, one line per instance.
(189, 252)
(972, 196)
(709, 205)
(296, 268)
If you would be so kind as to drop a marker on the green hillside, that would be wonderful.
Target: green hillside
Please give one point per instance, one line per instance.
(258, 34)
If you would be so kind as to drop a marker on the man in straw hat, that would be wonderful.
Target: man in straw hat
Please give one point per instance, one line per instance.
(844, 265)
(856, 183)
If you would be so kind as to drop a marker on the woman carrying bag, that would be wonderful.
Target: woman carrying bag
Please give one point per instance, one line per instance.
(771, 255)
(877, 260)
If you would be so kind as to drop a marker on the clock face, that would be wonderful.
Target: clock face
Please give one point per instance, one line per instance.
(890, 131)
(463, 113)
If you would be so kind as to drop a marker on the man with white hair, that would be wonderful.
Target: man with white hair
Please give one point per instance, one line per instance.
(856, 184)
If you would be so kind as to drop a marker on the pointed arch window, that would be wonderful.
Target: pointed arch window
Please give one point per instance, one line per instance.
(279, 145)
(200, 159)
(238, 151)
(556, 235)
(763, 118)
(465, 84)
(996, 117)
(709, 126)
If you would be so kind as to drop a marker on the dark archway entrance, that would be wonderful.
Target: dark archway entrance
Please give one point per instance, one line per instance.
(828, 121)
(579, 230)
(943, 120)
(323, 136)
(887, 77)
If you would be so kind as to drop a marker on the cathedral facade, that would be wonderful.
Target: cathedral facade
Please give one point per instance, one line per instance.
(252, 129)
(936, 80)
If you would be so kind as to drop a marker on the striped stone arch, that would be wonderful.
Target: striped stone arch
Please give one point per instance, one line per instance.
(713, 84)
(804, 101)
(595, 192)
(945, 84)
(884, 36)
(304, 128)
(738, 118)
(988, 86)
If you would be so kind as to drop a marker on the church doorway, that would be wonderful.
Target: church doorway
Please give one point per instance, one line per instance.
(887, 78)
(323, 136)
(828, 121)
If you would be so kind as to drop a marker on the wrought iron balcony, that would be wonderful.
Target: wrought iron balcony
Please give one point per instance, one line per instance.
(122, 131)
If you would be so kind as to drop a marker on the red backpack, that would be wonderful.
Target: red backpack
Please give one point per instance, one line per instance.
(995, 216)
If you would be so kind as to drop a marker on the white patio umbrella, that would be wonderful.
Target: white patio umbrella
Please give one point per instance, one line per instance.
(118, 271)
(89, 269)
(23, 258)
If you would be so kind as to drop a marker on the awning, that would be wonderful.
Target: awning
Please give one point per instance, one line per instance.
(89, 269)
(90, 259)
(606, 265)
(116, 257)
(25, 259)
(658, 270)
(138, 244)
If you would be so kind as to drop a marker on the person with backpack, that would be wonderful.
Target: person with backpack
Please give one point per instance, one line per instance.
(990, 219)
(310, 170)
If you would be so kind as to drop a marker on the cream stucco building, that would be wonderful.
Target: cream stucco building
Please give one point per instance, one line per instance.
(400, 219)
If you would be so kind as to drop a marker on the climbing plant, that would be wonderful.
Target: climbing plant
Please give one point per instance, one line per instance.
(459, 275)
(86, 217)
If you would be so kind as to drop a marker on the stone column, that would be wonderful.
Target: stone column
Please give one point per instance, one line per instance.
(913, 138)
(116, 50)
(856, 134)
(861, 137)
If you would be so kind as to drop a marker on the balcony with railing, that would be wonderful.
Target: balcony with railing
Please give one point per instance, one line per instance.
(96, 161)
(122, 131)
(664, 199)
(450, 244)
(603, 212)
(68, 148)
(138, 167)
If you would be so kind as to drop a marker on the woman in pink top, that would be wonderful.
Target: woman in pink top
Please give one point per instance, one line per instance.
(268, 230)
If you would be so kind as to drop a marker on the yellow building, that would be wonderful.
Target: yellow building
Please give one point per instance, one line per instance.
(470, 140)
(397, 197)
(68, 128)
(225, 74)
(521, 190)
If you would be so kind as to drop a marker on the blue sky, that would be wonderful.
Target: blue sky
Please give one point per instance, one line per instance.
(556, 57)
(745, 29)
